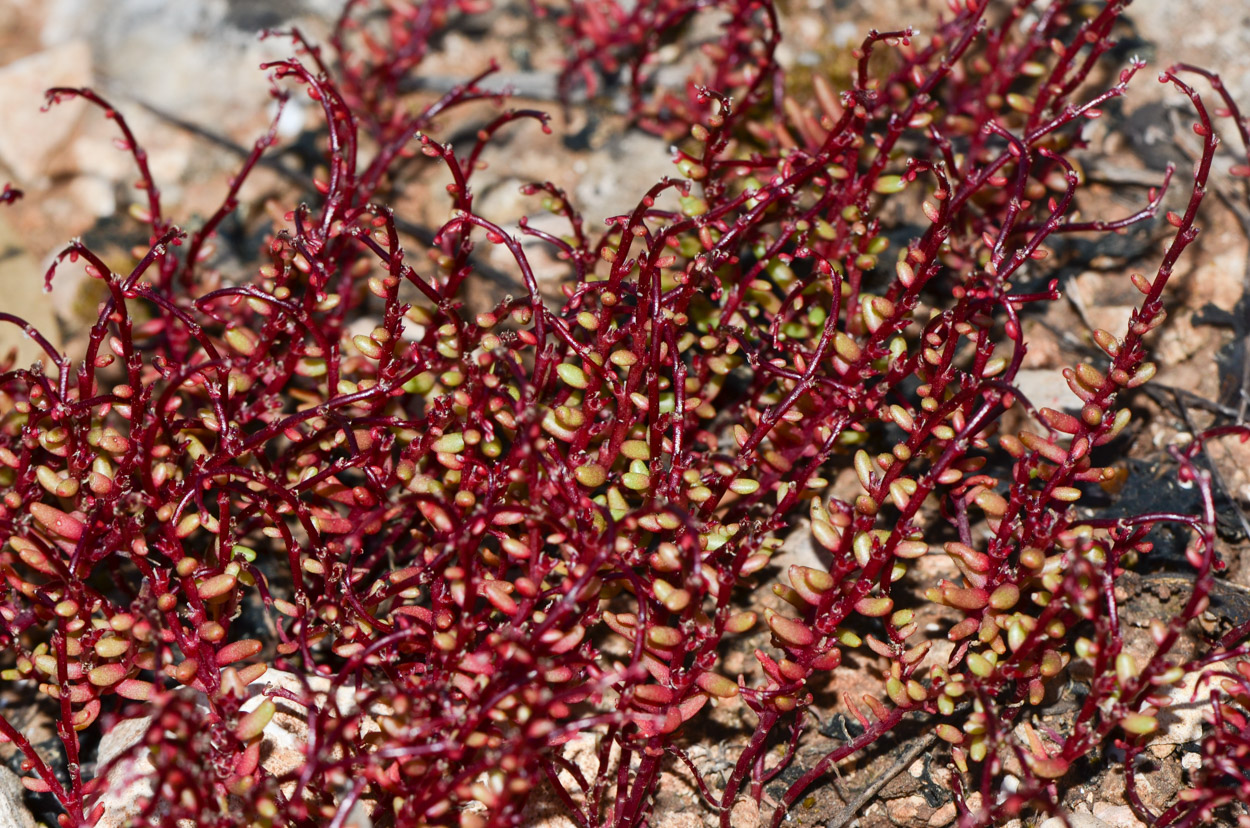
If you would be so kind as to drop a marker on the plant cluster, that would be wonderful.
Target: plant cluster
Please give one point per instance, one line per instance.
(506, 529)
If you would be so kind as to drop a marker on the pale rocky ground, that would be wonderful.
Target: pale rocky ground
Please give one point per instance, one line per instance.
(282, 747)
(196, 60)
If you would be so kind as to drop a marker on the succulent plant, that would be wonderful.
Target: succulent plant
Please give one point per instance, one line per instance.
(509, 528)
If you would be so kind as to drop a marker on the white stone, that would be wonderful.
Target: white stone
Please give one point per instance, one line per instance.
(1187, 713)
(31, 139)
(130, 779)
(1046, 388)
(22, 279)
(13, 812)
(1117, 816)
(195, 59)
(1075, 821)
(617, 178)
(282, 750)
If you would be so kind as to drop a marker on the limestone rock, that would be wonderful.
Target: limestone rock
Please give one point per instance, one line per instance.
(282, 750)
(13, 811)
(31, 139)
(1117, 816)
(1075, 820)
(1046, 388)
(129, 780)
(23, 295)
(1187, 713)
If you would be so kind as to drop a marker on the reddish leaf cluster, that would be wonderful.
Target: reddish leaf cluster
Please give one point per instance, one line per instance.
(508, 529)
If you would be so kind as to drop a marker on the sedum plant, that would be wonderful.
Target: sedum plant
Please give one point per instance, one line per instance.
(554, 517)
